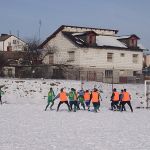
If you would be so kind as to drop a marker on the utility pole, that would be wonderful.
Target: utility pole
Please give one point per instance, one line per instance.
(9, 32)
(18, 33)
(113, 78)
(82, 83)
(17, 39)
(40, 24)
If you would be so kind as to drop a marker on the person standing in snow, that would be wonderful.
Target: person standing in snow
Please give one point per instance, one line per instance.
(126, 100)
(120, 101)
(87, 96)
(73, 99)
(115, 100)
(81, 99)
(63, 99)
(1, 92)
(95, 98)
(51, 96)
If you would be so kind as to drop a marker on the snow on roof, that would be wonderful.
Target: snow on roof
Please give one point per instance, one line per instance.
(141, 46)
(79, 42)
(124, 37)
(127, 36)
(80, 33)
(146, 52)
(109, 41)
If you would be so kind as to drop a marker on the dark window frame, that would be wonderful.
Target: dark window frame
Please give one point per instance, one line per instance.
(122, 54)
(108, 73)
(135, 58)
(110, 57)
(71, 56)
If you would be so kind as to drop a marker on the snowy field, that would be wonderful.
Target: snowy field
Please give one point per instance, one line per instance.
(24, 125)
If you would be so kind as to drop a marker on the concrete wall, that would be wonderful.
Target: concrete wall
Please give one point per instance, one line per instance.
(43, 71)
(98, 59)
(92, 74)
(9, 71)
(68, 72)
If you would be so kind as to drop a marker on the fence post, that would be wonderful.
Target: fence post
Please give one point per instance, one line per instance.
(102, 77)
(113, 79)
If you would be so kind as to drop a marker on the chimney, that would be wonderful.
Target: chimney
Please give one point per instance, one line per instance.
(91, 38)
(4, 34)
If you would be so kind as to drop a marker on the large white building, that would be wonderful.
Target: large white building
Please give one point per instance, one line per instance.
(97, 54)
(11, 43)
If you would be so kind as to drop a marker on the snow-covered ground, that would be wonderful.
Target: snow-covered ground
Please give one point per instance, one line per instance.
(24, 125)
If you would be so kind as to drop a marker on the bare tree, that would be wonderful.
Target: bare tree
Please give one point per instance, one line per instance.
(3, 61)
(48, 50)
(32, 49)
(32, 44)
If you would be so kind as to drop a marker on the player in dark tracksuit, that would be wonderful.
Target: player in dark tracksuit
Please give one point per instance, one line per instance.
(120, 101)
(115, 100)
(73, 99)
(1, 92)
(81, 99)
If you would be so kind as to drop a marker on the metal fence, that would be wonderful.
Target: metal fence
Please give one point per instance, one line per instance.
(69, 73)
(100, 77)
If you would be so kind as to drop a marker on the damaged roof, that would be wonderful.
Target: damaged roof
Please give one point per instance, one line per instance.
(64, 26)
(4, 37)
(100, 40)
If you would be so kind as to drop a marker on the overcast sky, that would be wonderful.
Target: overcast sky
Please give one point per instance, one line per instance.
(23, 16)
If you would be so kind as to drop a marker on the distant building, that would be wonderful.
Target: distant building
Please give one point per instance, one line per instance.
(11, 43)
(147, 60)
(95, 53)
(146, 69)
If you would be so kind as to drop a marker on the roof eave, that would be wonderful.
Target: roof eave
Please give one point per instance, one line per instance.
(116, 31)
(51, 36)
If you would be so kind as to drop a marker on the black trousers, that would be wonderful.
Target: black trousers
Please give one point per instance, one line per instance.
(66, 102)
(1, 100)
(75, 103)
(49, 104)
(126, 102)
(114, 105)
(96, 106)
(82, 104)
(121, 107)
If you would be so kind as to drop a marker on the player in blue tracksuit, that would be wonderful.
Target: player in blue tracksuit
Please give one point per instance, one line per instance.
(81, 99)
